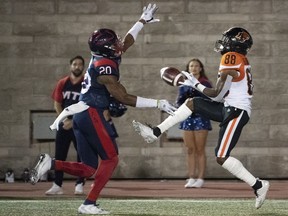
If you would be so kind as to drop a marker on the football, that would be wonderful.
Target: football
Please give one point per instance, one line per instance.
(172, 76)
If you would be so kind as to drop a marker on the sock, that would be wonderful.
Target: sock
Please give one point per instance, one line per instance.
(103, 174)
(235, 167)
(89, 202)
(156, 131)
(74, 168)
(182, 113)
(257, 185)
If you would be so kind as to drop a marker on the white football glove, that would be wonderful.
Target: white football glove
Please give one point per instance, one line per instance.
(148, 13)
(191, 80)
(165, 106)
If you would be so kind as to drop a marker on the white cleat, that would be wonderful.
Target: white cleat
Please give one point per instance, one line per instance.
(91, 209)
(261, 193)
(54, 190)
(79, 189)
(145, 131)
(43, 165)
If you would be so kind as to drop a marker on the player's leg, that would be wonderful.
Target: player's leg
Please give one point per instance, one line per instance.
(189, 141)
(228, 137)
(80, 169)
(197, 105)
(99, 135)
(45, 163)
(150, 135)
(107, 150)
(82, 125)
(87, 154)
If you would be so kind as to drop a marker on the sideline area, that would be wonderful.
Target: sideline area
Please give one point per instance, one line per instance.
(147, 189)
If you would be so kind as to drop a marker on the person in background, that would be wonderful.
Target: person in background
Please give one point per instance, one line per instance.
(67, 92)
(195, 127)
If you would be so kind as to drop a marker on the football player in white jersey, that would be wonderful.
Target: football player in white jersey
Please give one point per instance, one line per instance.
(234, 88)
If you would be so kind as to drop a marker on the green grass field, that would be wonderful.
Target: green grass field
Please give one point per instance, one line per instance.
(146, 207)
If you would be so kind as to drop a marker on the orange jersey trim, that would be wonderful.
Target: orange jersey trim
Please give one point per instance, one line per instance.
(105, 61)
(231, 60)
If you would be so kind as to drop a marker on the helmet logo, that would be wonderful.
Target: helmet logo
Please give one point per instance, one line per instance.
(242, 36)
(104, 38)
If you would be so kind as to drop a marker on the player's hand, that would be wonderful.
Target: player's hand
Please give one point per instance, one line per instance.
(191, 80)
(67, 124)
(148, 13)
(165, 106)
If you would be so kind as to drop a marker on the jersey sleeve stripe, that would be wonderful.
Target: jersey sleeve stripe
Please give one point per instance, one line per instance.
(105, 62)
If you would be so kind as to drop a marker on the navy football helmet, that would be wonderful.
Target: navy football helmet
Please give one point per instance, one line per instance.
(116, 108)
(105, 42)
(235, 39)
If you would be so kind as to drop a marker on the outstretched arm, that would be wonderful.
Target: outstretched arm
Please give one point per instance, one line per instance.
(146, 17)
(118, 91)
(223, 82)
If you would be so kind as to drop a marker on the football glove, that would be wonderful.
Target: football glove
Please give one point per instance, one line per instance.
(165, 106)
(191, 80)
(148, 13)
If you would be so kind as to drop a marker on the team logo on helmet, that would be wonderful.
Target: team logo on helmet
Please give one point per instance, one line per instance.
(242, 36)
(235, 39)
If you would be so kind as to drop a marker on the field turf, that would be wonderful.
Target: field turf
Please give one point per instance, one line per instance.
(146, 207)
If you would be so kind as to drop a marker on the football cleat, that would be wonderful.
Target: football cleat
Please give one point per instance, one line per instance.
(261, 193)
(79, 189)
(54, 190)
(91, 209)
(43, 165)
(145, 131)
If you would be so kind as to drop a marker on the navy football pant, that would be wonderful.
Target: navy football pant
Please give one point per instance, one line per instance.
(95, 142)
(62, 144)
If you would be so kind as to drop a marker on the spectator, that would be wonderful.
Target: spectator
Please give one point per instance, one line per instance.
(195, 127)
(67, 92)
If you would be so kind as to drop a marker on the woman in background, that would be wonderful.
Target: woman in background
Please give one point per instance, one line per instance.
(195, 128)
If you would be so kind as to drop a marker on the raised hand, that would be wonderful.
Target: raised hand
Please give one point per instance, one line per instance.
(148, 13)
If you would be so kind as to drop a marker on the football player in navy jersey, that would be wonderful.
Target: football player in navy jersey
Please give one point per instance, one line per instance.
(95, 136)
(67, 92)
